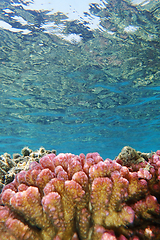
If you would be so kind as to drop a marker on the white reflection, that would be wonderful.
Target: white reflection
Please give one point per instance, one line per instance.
(20, 20)
(7, 26)
(7, 10)
(74, 9)
(138, 2)
(130, 29)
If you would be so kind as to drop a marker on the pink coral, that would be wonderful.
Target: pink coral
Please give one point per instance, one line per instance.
(70, 197)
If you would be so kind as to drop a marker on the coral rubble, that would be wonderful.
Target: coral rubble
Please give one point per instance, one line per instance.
(70, 197)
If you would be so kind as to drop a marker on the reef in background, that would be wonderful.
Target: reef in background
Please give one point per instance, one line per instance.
(71, 197)
(9, 167)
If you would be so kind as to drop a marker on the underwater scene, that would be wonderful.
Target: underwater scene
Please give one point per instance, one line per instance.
(80, 76)
(80, 120)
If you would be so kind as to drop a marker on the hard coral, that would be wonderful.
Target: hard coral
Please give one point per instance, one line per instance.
(70, 197)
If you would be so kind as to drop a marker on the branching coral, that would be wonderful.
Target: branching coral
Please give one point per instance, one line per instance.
(70, 197)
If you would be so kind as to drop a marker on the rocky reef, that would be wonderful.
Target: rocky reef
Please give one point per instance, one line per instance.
(78, 197)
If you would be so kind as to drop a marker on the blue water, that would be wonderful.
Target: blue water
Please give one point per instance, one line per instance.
(80, 83)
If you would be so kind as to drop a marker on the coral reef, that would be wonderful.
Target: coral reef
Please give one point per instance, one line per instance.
(9, 167)
(70, 197)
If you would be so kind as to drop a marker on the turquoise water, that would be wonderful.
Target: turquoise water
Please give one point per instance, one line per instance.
(80, 77)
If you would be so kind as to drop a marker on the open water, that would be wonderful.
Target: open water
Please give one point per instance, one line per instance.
(80, 76)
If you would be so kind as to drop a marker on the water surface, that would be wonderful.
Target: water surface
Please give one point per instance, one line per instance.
(80, 77)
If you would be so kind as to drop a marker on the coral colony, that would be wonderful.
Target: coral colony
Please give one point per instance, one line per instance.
(70, 197)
